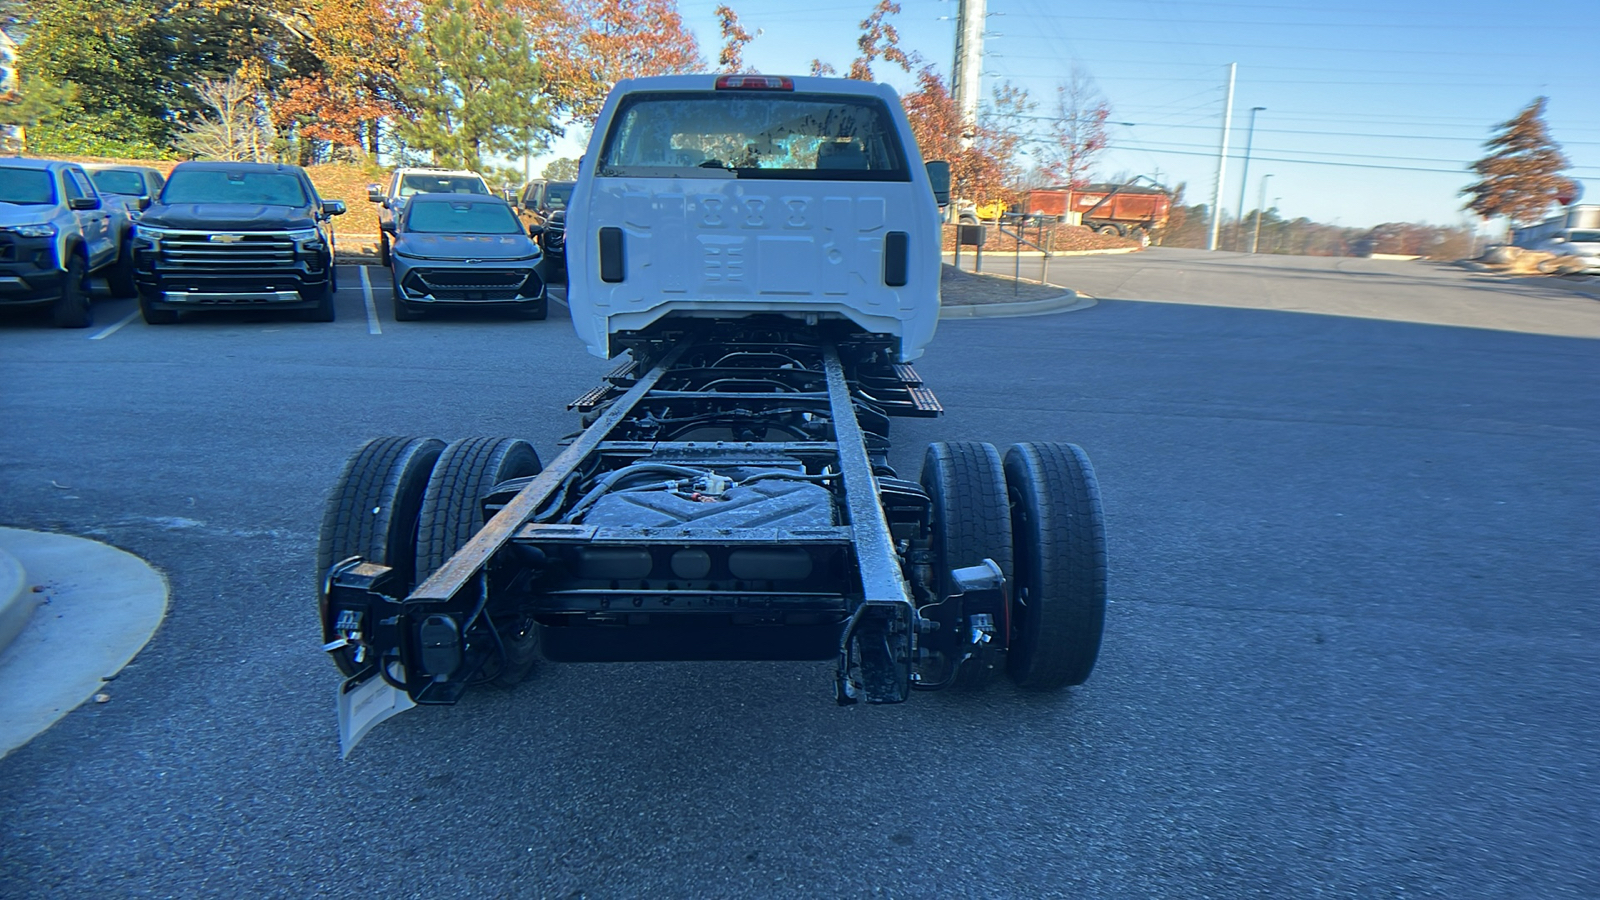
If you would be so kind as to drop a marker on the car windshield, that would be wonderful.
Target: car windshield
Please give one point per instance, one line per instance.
(441, 184)
(26, 186)
(722, 134)
(461, 217)
(223, 186)
(1583, 237)
(119, 181)
(558, 193)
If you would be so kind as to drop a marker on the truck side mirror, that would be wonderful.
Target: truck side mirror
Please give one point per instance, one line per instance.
(333, 207)
(82, 203)
(375, 193)
(939, 177)
(535, 230)
(144, 202)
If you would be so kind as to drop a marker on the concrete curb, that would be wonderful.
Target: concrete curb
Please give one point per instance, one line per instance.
(1071, 301)
(98, 609)
(16, 599)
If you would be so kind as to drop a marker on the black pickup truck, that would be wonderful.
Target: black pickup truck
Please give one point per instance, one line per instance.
(228, 235)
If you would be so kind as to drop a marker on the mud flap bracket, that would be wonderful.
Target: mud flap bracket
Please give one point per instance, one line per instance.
(875, 654)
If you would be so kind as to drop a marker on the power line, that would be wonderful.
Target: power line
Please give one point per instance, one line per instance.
(1367, 26)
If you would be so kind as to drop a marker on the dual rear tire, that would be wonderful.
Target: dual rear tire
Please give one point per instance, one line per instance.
(410, 504)
(1037, 514)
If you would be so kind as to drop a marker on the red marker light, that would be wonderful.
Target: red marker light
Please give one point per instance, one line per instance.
(754, 83)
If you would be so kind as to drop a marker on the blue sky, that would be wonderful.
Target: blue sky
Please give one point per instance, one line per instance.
(1372, 110)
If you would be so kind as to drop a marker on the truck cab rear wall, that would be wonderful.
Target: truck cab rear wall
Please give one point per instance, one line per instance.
(726, 239)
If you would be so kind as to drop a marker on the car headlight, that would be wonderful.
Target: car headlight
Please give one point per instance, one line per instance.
(44, 230)
(304, 235)
(141, 230)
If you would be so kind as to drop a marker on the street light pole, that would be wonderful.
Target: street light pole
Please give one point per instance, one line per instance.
(1244, 174)
(1255, 239)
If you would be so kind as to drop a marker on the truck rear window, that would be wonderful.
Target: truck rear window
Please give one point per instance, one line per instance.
(221, 186)
(727, 134)
(26, 186)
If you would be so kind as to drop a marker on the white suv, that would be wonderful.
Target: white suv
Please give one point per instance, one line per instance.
(735, 195)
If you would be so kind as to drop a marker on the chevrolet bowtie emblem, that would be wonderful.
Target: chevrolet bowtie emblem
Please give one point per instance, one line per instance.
(226, 238)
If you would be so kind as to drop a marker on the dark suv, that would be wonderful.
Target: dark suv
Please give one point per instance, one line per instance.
(226, 234)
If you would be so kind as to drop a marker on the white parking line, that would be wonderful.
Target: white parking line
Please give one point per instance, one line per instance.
(108, 332)
(372, 311)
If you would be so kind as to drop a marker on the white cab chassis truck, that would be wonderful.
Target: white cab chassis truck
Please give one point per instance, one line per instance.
(761, 256)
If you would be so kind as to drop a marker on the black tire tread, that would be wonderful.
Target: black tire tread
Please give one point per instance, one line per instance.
(119, 275)
(153, 316)
(72, 309)
(466, 471)
(452, 513)
(966, 480)
(1062, 558)
(373, 474)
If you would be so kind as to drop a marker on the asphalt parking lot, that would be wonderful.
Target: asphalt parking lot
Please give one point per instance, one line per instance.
(1351, 649)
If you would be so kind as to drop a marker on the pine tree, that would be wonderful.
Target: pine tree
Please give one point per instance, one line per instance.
(472, 86)
(1521, 176)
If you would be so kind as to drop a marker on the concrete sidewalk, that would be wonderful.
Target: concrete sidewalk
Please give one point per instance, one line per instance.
(83, 610)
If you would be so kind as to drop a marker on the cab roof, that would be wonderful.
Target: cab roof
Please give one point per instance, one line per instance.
(25, 162)
(802, 84)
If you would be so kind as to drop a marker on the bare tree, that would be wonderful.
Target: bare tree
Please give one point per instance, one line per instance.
(238, 128)
(1521, 176)
(1078, 132)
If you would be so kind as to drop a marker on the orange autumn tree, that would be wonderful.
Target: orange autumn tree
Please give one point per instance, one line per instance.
(360, 48)
(986, 170)
(586, 46)
(734, 37)
(631, 39)
(879, 40)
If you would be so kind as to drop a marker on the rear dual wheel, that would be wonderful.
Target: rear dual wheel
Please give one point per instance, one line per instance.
(452, 512)
(372, 513)
(1058, 597)
(966, 484)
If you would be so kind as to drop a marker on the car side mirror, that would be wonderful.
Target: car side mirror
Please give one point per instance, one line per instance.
(387, 226)
(333, 207)
(375, 193)
(939, 178)
(144, 202)
(535, 230)
(82, 203)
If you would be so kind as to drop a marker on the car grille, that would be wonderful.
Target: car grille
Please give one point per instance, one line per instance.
(473, 285)
(253, 252)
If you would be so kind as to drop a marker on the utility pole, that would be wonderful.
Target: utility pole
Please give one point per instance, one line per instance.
(1244, 176)
(1261, 205)
(967, 75)
(1222, 160)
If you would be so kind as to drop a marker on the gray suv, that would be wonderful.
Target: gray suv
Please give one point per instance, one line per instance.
(55, 232)
(405, 183)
